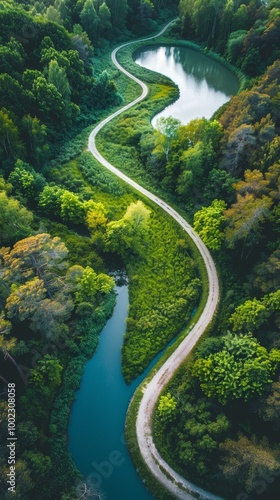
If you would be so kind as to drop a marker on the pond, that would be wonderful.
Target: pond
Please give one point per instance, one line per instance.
(204, 83)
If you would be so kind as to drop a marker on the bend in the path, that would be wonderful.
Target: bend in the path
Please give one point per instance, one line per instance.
(172, 481)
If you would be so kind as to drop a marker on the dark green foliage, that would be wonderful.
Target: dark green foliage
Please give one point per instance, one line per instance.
(247, 33)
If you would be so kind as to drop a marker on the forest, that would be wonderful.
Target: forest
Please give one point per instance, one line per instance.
(66, 225)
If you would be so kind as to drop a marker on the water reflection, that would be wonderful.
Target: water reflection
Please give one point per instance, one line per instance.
(204, 84)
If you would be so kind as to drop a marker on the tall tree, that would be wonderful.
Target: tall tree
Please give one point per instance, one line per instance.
(118, 9)
(166, 132)
(39, 255)
(35, 135)
(240, 370)
(128, 234)
(11, 146)
(90, 20)
(15, 220)
(208, 222)
(57, 76)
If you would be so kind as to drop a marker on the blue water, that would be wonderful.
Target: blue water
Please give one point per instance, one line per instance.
(96, 428)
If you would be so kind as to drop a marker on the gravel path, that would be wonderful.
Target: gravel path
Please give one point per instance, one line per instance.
(177, 485)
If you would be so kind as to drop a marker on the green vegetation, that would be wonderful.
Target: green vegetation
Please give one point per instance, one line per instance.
(223, 420)
(63, 219)
(60, 214)
(164, 289)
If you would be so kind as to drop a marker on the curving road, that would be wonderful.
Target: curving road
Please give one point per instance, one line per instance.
(177, 485)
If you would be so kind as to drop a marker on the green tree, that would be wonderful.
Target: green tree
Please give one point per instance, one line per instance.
(50, 103)
(235, 44)
(104, 15)
(11, 146)
(35, 135)
(13, 96)
(50, 200)
(166, 132)
(219, 186)
(90, 20)
(118, 9)
(167, 407)
(22, 180)
(57, 77)
(47, 374)
(72, 209)
(249, 316)
(15, 220)
(52, 14)
(240, 370)
(128, 234)
(208, 223)
(95, 215)
(90, 284)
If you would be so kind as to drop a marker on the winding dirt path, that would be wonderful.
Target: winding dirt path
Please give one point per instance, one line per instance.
(177, 485)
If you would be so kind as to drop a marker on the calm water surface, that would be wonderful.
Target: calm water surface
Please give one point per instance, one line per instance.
(96, 428)
(204, 84)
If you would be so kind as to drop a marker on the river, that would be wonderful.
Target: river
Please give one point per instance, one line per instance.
(96, 427)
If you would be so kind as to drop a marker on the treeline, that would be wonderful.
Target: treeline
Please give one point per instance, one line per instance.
(246, 33)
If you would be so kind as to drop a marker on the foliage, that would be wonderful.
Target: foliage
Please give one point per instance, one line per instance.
(246, 460)
(249, 316)
(167, 128)
(129, 234)
(241, 369)
(163, 292)
(15, 220)
(208, 223)
(166, 407)
(90, 284)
